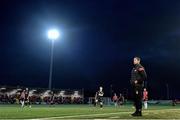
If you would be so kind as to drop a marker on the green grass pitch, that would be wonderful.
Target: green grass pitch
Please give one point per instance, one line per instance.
(45, 112)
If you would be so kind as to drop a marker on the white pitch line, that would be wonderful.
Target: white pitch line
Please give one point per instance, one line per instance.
(86, 115)
(115, 117)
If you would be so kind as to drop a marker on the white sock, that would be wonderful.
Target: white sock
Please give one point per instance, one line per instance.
(145, 104)
(22, 103)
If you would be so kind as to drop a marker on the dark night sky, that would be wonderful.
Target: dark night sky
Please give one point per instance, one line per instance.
(99, 40)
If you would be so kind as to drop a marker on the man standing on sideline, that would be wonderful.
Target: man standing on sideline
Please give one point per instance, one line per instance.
(138, 75)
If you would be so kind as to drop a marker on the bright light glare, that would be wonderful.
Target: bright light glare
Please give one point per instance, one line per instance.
(53, 34)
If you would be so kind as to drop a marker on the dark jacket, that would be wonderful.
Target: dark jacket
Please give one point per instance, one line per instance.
(138, 73)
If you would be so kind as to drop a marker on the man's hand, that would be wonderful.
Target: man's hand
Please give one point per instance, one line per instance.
(135, 81)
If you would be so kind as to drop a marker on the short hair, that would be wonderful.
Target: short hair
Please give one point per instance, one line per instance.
(138, 58)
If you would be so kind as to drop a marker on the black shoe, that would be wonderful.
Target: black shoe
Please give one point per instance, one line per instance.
(134, 114)
(137, 114)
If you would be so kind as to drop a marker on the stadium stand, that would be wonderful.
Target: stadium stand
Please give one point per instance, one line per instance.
(10, 95)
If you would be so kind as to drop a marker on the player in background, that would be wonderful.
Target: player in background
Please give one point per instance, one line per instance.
(115, 99)
(100, 95)
(121, 99)
(95, 99)
(27, 98)
(22, 98)
(52, 97)
(145, 98)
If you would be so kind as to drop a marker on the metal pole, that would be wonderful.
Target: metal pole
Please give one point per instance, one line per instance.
(83, 94)
(51, 65)
(167, 90)
(111, 90)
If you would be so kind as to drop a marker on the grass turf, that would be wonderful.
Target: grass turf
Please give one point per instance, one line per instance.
(86, 112)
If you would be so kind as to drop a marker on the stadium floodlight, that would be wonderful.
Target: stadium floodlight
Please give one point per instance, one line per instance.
(53, 34)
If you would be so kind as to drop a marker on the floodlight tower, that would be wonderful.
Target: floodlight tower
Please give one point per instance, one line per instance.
(53, 35)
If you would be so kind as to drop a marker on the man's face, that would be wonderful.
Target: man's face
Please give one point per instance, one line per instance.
(135, 61)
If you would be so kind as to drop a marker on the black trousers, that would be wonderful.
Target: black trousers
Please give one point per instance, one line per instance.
(137, 97)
